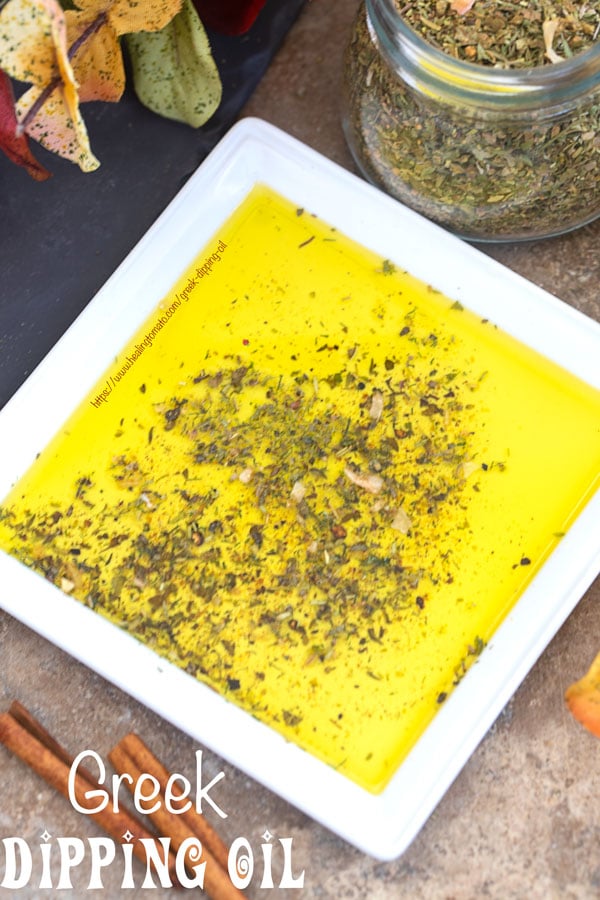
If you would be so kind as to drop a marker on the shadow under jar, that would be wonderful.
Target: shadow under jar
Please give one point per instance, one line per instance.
(492, 154)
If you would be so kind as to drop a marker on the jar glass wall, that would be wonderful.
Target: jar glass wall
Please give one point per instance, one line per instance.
(490, 154)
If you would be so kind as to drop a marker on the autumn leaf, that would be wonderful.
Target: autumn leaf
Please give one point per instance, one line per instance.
(69, 58)
(583, 698)
(30, 33)
(128, 16)
(174, 73)
(33, 49)
(229, 16)
(55, 128)
(96, 58)
(94, 30)
(15, 146)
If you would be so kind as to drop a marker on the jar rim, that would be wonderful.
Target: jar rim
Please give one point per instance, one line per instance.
(433, 68)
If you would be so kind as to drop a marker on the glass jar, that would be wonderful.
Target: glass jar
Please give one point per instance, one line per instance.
(491, 154)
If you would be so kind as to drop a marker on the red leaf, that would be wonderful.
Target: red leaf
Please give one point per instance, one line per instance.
(16, 147)
(228, 16)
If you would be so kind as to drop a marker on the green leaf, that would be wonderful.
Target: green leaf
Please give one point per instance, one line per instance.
(174, 73)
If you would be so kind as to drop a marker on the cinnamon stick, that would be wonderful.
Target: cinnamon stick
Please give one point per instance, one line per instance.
(146, 761)
(51, 763)
(131, 756)
(35, 728)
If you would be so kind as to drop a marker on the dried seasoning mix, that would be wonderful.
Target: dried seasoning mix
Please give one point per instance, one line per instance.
(498, 139)
(505, 34)
(317, 490)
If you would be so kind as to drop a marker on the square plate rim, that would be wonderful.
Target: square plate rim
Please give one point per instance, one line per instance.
(381, 825)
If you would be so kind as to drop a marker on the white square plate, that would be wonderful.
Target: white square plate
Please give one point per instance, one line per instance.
(253, 152)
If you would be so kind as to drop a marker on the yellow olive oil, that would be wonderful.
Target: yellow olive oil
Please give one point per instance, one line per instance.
(312, 482)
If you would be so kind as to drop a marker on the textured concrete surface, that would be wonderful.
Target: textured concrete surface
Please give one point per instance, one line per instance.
(521, 821)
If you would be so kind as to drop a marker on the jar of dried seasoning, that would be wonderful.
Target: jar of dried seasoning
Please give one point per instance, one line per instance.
(484, 117)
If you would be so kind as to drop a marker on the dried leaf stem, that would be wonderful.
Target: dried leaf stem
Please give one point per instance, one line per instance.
(89, 32)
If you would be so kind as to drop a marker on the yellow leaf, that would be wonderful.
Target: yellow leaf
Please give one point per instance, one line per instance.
(583, 698)
(30, 32)
(127, 16)
(34, 50)
(55, 128)
(98, 64)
